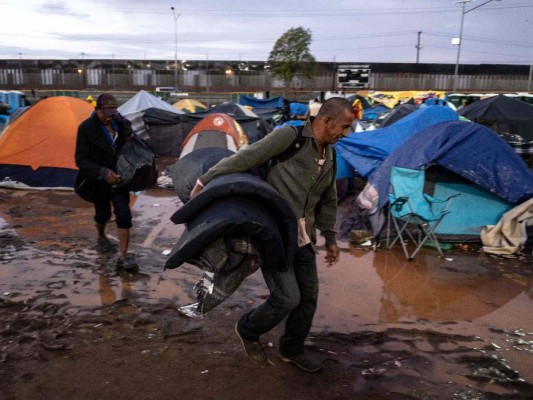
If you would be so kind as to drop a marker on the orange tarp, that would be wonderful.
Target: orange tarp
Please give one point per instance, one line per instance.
(45, 134)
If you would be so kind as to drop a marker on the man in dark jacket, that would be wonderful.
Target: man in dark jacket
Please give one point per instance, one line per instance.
(100, 137)
(307, 181)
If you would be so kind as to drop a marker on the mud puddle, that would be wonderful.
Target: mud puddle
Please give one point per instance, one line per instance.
(423, 328)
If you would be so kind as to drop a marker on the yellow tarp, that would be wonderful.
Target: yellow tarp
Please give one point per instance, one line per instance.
(390, 99)
(189, 105)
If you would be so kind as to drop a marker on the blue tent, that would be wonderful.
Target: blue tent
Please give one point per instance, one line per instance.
(438, 102)
(275, 102)
(370, 114)
(468, 149)
(364, 151)
(298, 109)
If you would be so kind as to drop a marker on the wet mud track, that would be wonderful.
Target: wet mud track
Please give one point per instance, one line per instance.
(72, 326)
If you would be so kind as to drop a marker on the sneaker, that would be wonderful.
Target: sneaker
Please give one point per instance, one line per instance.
(127, 263)
(303, 361)
(254, 349)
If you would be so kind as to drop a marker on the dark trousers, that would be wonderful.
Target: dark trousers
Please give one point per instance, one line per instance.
(120, 200)
(293, 294)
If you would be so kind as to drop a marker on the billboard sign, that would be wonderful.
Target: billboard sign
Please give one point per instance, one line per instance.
(353, 76)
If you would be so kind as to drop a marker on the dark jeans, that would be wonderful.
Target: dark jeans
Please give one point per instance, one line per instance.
(121, 206)
(293, 294)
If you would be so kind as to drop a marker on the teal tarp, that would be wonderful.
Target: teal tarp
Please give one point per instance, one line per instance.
(474, 208)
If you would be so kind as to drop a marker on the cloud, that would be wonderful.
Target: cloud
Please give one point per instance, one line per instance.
(343, 30)
(60, 8)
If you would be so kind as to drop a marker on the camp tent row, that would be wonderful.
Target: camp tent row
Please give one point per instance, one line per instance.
(465, 157)
(37, 145)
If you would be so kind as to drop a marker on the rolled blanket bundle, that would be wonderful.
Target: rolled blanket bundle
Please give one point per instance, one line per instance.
(235, 225)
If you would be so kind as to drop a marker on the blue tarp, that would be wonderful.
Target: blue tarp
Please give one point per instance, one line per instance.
(293, 122)
(466, 148)
(344, 169)
(275, 102)
(370, 114)
(298, 109)
(366, 150)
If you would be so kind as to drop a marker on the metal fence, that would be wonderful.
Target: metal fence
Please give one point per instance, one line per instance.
(465, 83)
(245, 81)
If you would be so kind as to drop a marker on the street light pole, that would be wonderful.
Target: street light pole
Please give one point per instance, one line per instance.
(463, 12)
(456, 73)
(175, 46)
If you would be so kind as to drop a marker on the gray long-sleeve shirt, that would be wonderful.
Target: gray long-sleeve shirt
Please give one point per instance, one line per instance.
(310, 193)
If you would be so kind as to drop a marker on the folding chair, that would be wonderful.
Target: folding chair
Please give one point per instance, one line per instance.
(410, 207)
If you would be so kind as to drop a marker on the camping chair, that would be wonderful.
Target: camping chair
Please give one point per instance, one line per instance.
(411, 207)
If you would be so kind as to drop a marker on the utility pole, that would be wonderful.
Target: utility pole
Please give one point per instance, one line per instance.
(418, 47)
(175, 46)
(458, 42)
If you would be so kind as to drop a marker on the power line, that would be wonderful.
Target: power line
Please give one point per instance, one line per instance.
(107, 38)
(322, 13)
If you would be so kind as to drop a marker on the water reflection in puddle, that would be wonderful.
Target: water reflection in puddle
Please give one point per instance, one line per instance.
(380, 290)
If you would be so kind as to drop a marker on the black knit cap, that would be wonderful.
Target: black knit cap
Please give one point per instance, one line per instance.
(107, 103)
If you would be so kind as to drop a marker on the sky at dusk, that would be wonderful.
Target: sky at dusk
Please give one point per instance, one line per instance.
(495, 32)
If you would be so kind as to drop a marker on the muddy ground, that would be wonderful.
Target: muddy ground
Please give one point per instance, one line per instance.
(74, 327)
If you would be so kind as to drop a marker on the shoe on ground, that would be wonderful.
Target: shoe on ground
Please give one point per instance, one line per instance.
(303, 361)
(254, 349)
(127, 263)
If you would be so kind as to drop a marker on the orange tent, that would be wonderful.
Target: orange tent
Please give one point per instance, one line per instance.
(37, 149)
(215, 130)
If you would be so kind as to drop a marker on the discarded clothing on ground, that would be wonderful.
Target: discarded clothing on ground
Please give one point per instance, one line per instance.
(509, 235)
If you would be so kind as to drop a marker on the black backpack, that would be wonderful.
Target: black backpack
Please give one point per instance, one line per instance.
(296, 145)
(294, 148)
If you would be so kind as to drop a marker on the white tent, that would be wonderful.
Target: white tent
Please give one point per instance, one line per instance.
(143, 101)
